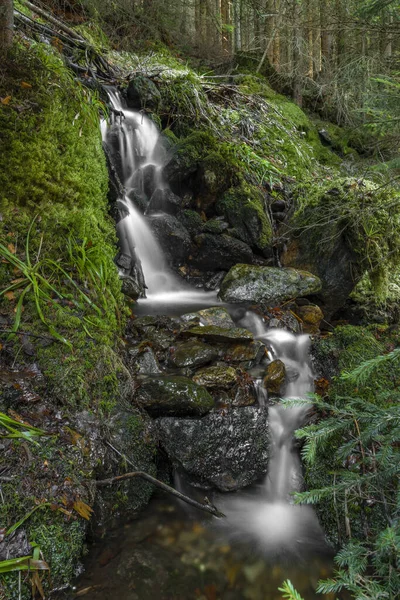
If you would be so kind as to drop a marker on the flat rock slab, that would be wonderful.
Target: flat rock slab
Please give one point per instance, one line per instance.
(216, 377)
(216, 315)
(228, 450)
(173, 395)
(248, 283)
(191, 353)
(220, 334)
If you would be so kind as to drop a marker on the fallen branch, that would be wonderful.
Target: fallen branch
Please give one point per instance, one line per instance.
(163, 486)
(167, 488)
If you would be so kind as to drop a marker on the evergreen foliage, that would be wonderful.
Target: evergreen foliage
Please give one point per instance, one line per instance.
(356, 443)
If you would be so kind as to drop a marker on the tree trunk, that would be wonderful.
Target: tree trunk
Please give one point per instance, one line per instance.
(6, 24)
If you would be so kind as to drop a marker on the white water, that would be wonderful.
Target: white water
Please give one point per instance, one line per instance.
(138, 145)
(265, 515)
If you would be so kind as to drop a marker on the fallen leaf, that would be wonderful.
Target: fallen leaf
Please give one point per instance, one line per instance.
(6, 100)
(84, 510)
(10, 295)
(26, 85)
(11, 248)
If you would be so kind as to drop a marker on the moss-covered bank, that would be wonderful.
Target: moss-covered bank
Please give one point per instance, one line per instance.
(62, 312)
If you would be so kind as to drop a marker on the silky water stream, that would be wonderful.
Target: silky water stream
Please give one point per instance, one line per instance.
(171, 552)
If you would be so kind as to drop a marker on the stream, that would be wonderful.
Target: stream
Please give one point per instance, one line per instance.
(170, 551)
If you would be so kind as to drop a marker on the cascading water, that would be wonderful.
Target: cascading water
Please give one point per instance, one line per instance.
(265, 515)
(135, 140)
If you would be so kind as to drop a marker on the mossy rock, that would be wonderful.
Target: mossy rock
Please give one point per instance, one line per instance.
(275, 377)
(248, 283)
(142, 92)
(192, 353)
(216, 315)
(216, 377)
(243, 208)
(173, 395)
(213, 333)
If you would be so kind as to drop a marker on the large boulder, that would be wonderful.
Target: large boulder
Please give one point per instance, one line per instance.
(248, 283)
(173, 395)
(165, 201)
(225, 450)
(142, 92)
(172, 236)
(219, 252)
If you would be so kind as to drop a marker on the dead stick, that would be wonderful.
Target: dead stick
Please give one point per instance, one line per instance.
(163, 486)
(207, 507)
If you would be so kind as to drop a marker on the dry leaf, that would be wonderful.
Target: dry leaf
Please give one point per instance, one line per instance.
(11, 248)
(25, 85)
(6, 100)
(10, 295)
(83, 509)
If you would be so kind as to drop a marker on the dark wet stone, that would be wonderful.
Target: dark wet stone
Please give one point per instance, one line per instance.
(142, 92)
(248, 283)
(219, 252)
(164, 200)
(275, 376)
(173, 395)
(144, 362)
(278, 206)
(219, 334)
(227, 450)
(173, 238)
(192, 353)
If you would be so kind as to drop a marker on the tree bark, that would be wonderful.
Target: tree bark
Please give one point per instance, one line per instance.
(6, 25)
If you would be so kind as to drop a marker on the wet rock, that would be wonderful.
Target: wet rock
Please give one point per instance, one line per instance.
(192, 221)
(311, 317)
(173, 395)
(216, 316)
(337, 266)
(275, 376)
(217, 225)
(164, 200)
(219, 334)
(15, 545)
(228, 450)
(216, 377)
(172, 236)
(147, 180)
(247, 283)
(192, 353)
(214, 282)
(142, 92)
(219, 252)
(143, 361)
(131, 288)
(251, 353)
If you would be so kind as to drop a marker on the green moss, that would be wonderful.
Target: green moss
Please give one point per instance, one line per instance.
(243, 208)
(192, 221)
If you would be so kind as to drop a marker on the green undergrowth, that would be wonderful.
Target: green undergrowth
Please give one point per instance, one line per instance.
(363, 213)
(352, 460)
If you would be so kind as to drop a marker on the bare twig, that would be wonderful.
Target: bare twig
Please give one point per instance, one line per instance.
(209, 508)
(49, 17)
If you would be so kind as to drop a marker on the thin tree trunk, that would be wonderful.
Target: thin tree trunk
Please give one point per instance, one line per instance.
(6, 25)
(297, 56)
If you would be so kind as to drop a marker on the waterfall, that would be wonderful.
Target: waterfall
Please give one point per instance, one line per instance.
(134, 140)
(265, 514)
